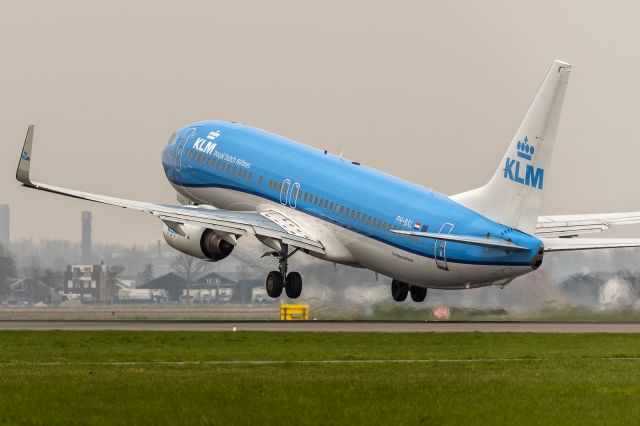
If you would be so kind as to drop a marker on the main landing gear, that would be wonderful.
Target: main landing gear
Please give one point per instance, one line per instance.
(400, 290)
(278, 280)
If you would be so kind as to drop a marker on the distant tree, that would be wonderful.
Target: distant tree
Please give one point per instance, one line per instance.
(188, 267)
(147, 274)
(113, 273)
(53, 279)
(33, 269)
(7, 268)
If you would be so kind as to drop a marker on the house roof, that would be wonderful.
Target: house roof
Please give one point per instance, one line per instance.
(29, 281)
(166, 281)
(212, 277)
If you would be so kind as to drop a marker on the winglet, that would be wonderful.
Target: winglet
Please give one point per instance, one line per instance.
(24, 166)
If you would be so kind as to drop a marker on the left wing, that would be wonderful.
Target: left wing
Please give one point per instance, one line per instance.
(267, 223)
(574, 225)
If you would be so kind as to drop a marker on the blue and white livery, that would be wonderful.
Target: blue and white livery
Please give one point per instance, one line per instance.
(235, 180)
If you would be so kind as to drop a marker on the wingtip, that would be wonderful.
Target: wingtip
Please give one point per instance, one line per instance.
(24, 164)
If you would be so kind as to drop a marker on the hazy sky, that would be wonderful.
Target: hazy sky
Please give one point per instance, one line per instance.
(429, 91)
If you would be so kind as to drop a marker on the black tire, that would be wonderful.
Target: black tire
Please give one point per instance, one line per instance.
(399, 290)
(293, 285)
(274, 284)
(418, 294)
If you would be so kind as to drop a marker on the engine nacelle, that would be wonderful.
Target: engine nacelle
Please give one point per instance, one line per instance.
(202, 243)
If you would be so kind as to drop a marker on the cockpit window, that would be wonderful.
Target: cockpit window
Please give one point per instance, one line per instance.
(172, 140)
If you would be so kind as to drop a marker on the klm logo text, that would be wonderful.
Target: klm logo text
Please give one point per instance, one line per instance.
(204, 145)
(199, 144)
(530, 176)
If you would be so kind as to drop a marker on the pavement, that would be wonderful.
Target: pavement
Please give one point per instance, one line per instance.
(329, 326)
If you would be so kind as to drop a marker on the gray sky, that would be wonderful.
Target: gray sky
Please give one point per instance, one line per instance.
(428, 91)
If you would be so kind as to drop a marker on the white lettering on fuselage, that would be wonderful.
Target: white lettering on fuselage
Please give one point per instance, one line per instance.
(199, 145)
(404, 221)
(208, 147)
(232, 159)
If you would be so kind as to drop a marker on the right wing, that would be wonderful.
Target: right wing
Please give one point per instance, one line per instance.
(574, 225)
(573, 244)
(267, 223)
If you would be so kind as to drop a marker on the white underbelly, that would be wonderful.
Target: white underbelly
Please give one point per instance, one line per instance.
(348, 247)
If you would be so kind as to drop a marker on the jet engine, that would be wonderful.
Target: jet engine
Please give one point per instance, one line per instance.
(202, 243)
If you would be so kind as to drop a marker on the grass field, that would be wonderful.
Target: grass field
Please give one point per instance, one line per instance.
(318, 378)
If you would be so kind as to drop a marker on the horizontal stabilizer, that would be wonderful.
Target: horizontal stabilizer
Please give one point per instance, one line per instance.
(467, 239)
(570, 244)
(578, 224)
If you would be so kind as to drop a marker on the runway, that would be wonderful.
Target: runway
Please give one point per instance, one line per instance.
(331, 326)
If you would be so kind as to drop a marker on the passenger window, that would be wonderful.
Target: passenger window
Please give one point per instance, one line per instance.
(305, 196)
(358, 216)
(280, 187)
(369, 220)
(325, 203)
(373, 223)
(299, 195)
(335, 209)
(315, 201)
(353, 214)
(270, 183)
(244, 174)
(331, 206)
(342, 211)
(234, 170)
(199, 157)
(364, 218)
(321, 201)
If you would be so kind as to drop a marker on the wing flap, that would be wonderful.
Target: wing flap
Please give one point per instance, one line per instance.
(572, 244)
(574, 225)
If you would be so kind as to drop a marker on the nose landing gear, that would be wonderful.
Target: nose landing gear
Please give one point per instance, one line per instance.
(278, 280)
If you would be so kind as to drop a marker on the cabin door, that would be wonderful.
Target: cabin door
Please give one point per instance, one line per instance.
(440, 253)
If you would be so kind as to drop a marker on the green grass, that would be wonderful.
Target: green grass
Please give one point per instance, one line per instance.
(66, 378)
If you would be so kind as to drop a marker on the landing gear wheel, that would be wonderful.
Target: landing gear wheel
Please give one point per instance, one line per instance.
(293, 285)
(274, 284)
(418, 294)
(399, 290)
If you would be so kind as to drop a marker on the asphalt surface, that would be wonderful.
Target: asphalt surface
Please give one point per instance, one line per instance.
(330, 326)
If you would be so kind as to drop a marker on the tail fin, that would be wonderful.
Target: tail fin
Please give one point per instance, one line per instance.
(513, 195)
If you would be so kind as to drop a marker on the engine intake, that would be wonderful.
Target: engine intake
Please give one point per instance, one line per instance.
(202, 243)
(213, 246)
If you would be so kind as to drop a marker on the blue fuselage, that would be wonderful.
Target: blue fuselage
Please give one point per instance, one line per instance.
(217, 154)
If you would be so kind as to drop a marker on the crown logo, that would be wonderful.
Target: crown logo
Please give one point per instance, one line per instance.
(25, 156)
(524, 149)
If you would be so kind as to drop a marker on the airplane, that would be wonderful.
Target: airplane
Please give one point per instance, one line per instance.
(233, 180)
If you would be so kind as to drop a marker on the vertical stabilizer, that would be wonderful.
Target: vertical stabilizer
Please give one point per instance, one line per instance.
(513, 195)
